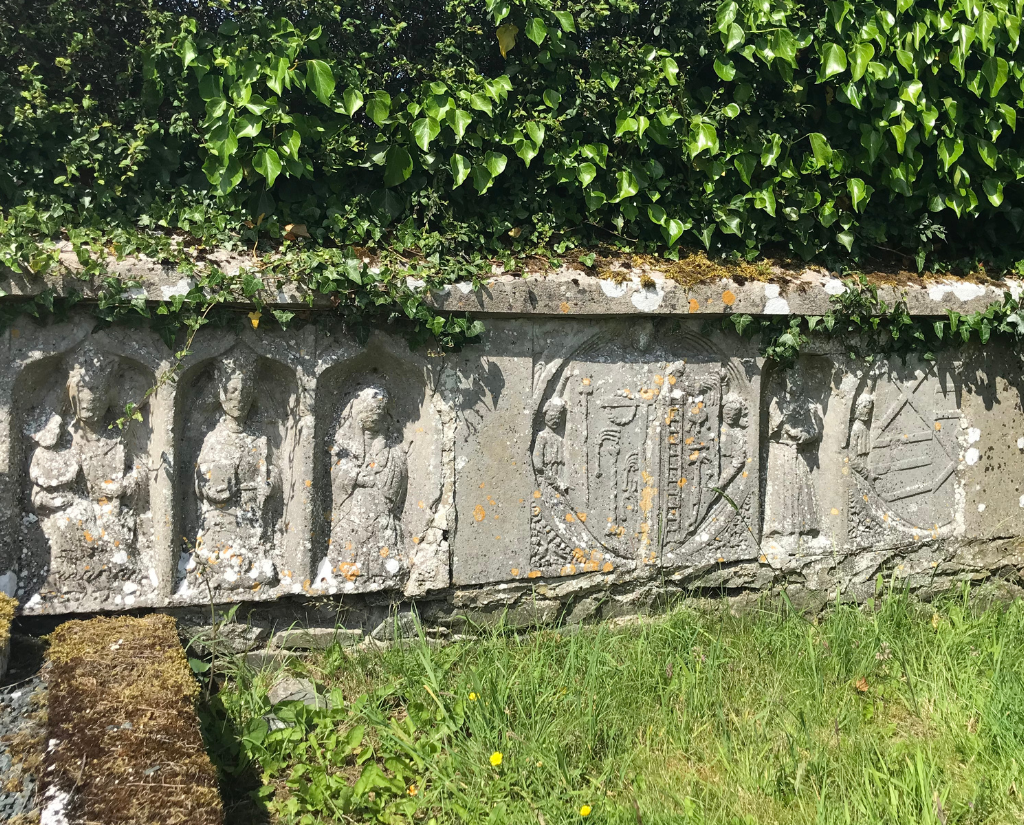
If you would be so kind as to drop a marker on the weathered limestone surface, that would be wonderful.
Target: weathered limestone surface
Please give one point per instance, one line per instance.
(610, 448)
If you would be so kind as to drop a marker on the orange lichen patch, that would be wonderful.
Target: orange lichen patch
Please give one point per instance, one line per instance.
(482, 483)
(672, 380)
(536, 493)
(384, 552)
(416, 539)
(515, 571)
(581, 516)
(309, 482)
(479, 514)
(938, 425)
(728, 297)
(568, 570)
(349, 570)
(569, 517)
(533, 574)
(585, 382)
(681, 482)
(125, 738)
(647, 498)
(608, 567)
(648, 393)
(694, 305)
(671, 414)
(421, 505)
(564, 307)
(659, 380)
(835, 512)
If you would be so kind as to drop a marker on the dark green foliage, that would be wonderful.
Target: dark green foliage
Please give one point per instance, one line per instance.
(469, 128)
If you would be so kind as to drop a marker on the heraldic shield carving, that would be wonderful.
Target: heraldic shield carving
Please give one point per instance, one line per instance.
(903, 450)
(638, 452)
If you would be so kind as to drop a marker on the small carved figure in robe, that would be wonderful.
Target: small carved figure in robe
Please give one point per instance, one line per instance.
(549, 448)
(84, 484)
(733, 443)
(860, 434)
(369, 480)
(791, 507)
(235, 482)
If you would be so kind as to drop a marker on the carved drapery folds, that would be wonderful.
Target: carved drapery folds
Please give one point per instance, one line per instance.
(297, 462)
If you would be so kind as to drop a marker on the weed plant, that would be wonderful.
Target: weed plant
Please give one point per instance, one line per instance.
(897, 712)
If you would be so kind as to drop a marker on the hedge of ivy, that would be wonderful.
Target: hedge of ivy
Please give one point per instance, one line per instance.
(461, 128)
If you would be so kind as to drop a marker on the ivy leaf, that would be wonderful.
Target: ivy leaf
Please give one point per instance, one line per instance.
(586, 172)
(565, 20)
(860, 56)
(379, 107)
(993, 190)
(986, 151)
(397, 167)
(745, 165)
(733, 37)
(231, 177)
(726, 14)
(507, 38)
(425, 130)
(859, 192)
(597, 152)
(481, 103)
(495, 163)
(248, 126)
(704, 136)
(833, 61)
(552, 98)
(268, 163)
(725, 68)
(459, 120)
(536, 30)
(995, 71)
(784, 46)
(846, 239)
(628, 185)
(657, 214)
(482, 179)
(460, 169)
(771, 151)
(671, 69)
(535, 131)
(610, 80)
(352, 101)
(821, 148)
(673, 230)
(320, 80)
(527, 150)
(731, 111)
(594, 200)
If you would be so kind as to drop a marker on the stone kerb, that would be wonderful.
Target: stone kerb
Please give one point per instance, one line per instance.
(598, 437)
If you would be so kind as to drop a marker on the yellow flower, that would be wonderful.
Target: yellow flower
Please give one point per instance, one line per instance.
(585, 810)
(413, 790)
(496, 758)
(472, 697)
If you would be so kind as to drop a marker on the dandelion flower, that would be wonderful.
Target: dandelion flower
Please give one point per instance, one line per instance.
(472, 697)
(413, 790)
(585, 810)
(496, 758)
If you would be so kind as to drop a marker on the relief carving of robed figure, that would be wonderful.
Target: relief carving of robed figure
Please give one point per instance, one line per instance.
(369, 479)
(794, 430)
(85, 485)
(235, 482)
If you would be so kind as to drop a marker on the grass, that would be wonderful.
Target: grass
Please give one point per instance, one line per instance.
(898, 712)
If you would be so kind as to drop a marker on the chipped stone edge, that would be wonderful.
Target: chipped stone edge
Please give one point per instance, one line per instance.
(567, 290)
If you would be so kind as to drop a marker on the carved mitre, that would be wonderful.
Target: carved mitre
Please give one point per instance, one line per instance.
(239, 360)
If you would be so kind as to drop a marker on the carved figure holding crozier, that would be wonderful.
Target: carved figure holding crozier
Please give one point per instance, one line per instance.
(794, 431)
(733, 443)
(84, 483)
(369, 480)
(235, 481)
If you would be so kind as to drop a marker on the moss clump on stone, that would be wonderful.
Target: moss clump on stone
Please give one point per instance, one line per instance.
(125, 739)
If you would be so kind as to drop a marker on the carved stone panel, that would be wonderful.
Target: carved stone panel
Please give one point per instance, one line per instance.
(89, 489)
(240, 414)
(641, 455)
(384, 482)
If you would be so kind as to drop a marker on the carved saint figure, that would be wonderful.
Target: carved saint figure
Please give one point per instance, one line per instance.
(860, 434)
(791, 508)
(548, 450)
(235, 481)
(84, 483)
(369, 479)
(733, 444)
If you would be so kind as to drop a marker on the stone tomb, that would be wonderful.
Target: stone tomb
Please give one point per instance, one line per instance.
(557, 453)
